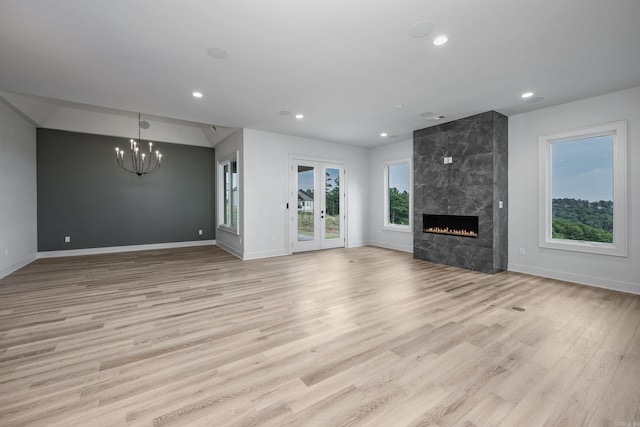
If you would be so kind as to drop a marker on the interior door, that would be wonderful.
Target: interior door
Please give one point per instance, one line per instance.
(317, 205)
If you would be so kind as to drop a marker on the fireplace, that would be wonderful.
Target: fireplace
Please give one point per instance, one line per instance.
(454, 225)
(474, 183)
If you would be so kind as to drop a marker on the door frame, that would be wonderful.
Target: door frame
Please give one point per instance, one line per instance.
(293, 199)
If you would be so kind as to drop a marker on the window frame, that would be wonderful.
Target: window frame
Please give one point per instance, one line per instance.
(386, 225)
(225, 193)
(618, 130)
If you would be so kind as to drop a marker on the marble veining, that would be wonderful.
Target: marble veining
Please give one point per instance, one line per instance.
(473, 184)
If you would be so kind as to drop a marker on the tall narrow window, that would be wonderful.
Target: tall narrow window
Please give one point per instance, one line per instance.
(234, 194)
(225, 183)
(228, 212)
(397, 195)
(583, 190)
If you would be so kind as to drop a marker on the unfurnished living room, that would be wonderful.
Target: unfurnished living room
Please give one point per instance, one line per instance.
(320, 213)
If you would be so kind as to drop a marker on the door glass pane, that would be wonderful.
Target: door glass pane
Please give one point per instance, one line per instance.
(305, 203)
(332, 203)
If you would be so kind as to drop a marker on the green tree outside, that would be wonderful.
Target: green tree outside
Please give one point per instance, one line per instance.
(398, 207)
(582, 220)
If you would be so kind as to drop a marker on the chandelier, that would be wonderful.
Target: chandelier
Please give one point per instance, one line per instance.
(141, 163)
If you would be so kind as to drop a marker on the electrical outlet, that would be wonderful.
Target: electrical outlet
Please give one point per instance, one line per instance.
(500, 204)
(67, 239)
(522, 251)
(200, 232)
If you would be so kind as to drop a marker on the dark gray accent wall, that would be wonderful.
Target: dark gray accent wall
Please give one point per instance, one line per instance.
(82, 193)
(473, 184)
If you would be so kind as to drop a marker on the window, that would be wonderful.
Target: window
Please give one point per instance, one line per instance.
(228, 195)
(397, 195)
(583, 194)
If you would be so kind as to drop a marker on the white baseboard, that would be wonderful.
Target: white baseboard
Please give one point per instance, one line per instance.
(402, 248)
(18, 265)
(130, 248)
(232, 251)
(266, 254)
(598, 282)
(245, 256)
(357, 244)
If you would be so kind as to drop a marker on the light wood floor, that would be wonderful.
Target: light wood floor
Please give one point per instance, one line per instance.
(362, 336)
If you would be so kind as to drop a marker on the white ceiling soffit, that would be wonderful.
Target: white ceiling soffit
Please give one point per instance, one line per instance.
(354, 69)
(70, 116)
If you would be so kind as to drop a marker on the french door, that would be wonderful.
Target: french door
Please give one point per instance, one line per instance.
(317, 205)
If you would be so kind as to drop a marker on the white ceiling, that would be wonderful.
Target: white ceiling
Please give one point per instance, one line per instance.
(344, 64)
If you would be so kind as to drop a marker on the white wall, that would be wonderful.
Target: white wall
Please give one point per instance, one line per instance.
(226, 150)
(598, 270)
(378, 236)
(266, 178)
(18, 199)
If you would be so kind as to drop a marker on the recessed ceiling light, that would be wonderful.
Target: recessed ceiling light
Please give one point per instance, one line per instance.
(197, 94)
(436, 118)
(440, 40)
(527, 95)
(426, 114)
(383, 134)
(299, 116)
(285, 113)
(421, 29)
(217, 52)
(398, 106)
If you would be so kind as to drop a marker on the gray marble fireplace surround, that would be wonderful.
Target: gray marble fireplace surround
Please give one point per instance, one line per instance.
(473, 183)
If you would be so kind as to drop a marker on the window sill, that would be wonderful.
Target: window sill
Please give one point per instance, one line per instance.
(230, 230)
(585, 247)
(400, 228)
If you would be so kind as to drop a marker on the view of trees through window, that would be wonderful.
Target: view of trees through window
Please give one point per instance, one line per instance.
(332, 203)
(398, 202)
(229, 194)
(582, 189)
(583, 220)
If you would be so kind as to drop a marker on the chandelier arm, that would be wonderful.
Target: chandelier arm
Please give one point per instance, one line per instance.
(137, 163)
(155, 168)
(121, 163)
(146, 169)
(133, 165)
(124, 168)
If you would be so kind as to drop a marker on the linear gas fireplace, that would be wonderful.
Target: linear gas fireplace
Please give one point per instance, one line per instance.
(455, 225)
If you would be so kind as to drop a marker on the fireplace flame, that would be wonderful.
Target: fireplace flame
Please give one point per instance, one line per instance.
(447, 230)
